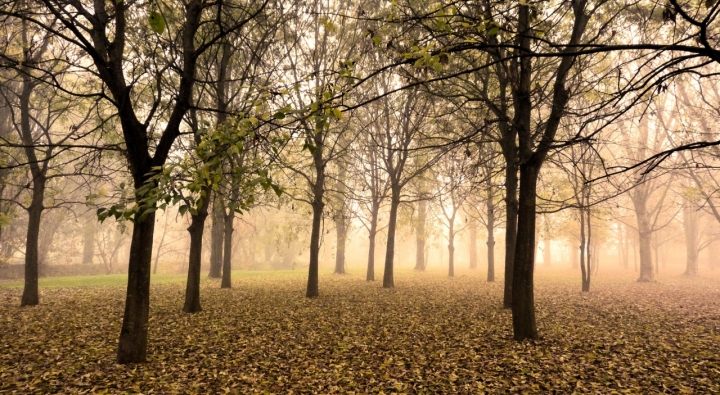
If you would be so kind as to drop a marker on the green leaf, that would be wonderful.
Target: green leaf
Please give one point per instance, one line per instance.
(157, 22)
(279, 115)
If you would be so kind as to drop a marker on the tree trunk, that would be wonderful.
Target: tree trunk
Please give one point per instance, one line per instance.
(313, 269)
(89, 241)
(473, 243)
(511, 228)
(647, 272)
(523, 302)
(451, 247)
(490, 226)
(227, 255)
(690, 226)
(341, 233)
(196, 228)
(216, 237)
(371, 251)
(388, 278)
(30, 296)
(132, 347)
(421, 236)
(547, 255)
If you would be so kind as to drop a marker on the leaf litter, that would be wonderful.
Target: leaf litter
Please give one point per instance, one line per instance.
(428, 335)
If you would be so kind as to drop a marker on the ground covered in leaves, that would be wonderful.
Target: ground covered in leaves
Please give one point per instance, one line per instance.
(430, 335)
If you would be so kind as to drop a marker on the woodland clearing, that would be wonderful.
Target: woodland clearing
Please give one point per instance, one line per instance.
(430, 334)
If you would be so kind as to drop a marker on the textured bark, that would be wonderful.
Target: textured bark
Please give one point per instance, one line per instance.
(216, 237)
(313, 269)
(490, 227)
(388, 277)
(196, 229)
(227, 254)
(523, 298)
(511, 218)
(132, 346)
(30, 296)
(370, 275)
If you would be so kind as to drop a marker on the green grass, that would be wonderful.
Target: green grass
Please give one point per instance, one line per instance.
(121, 279)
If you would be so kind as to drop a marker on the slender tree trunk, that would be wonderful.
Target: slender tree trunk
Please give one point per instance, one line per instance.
(313, 271)
(451, 248)
(216, 237)
(523, 298)
(472, 241)
(132, 346)
(371, 251)
(388, 278)
(421, 236)
(511, 228)
(341, 232)
(690, 225)
(227, 254)
(30, 296)
(547, 254)
(490, 227)
(196, 228)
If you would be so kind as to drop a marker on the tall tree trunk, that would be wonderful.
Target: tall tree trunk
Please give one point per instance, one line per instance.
(690, 226)
(30, 296)
(89, 241)
(647, 272)
(341, 233)
(421, 236)
(313, 269)
(490, 227)
(227, 254)
(472, 242)
(132, 347)
(451, 247)
(371, 251)
(216, 237)
(388, 277)
(523, 298)
(511, 228)
(196, 228)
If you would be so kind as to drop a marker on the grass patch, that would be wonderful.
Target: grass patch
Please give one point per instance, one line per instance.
(428, 335)
(121, 279)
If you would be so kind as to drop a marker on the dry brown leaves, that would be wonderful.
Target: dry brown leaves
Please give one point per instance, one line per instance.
(429, 335)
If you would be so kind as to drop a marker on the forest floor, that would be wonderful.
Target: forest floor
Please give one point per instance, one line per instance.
(430, 334)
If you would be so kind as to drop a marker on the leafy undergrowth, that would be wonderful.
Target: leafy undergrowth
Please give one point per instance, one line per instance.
(428, 335)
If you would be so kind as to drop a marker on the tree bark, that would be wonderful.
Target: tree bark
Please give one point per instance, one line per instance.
(30, 296)
(511, 227)
(523, 298)
(490, 226)
(690, 226)
(132, 346)
(341, 233)
(216, 237)
(421, 236)
(388, 277)
(371, 250)
(227, 254)
(196, 229)
(451, 247)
